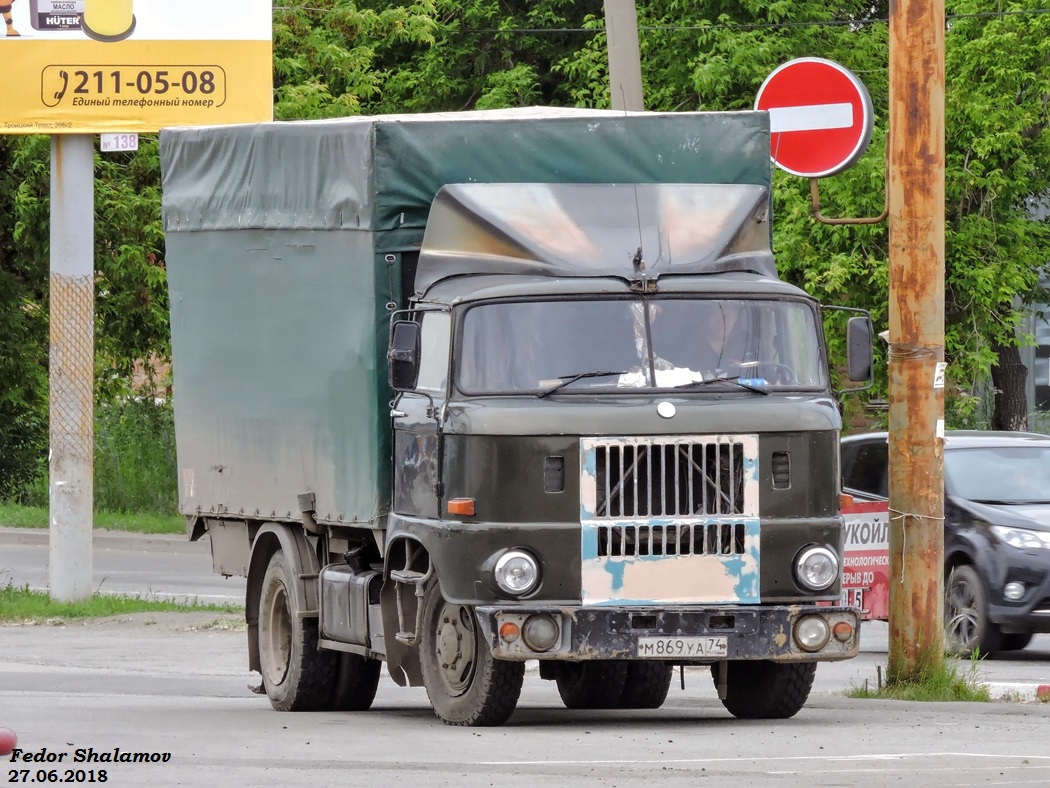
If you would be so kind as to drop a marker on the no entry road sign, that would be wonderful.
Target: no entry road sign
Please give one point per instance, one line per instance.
(820, 117)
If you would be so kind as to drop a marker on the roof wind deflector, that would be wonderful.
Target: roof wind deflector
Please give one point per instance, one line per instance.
(593, 230)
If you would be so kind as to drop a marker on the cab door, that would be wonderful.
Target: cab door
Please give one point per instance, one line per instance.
(415, 416)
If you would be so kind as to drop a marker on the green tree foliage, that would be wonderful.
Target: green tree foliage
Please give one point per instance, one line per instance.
(331, 58)
(23, 327)
(131, 312)
(998, 151)
(131, 307)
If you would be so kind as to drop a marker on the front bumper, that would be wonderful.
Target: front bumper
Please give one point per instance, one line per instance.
(750, 633)
(1030, 613)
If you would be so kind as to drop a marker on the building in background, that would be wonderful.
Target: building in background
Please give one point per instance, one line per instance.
(1037, 358)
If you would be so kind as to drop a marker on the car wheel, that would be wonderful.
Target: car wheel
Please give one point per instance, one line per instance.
(967, 628)
(1016, 641)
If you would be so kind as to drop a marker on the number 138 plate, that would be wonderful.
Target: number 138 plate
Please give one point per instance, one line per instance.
(682, 646)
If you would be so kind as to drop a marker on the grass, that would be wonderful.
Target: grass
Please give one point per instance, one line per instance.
(18, 516)
(948, 681)
(20, 604)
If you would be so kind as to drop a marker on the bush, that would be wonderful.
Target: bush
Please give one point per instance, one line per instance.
(135, 468)
(23, 452)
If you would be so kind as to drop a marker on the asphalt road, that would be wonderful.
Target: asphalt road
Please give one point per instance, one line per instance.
(176, 683)
(170, 567)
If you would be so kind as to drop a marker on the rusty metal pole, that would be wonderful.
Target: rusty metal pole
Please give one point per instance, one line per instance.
(625, 62)
(916, 312)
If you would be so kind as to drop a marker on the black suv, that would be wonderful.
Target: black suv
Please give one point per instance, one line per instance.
(996, 535)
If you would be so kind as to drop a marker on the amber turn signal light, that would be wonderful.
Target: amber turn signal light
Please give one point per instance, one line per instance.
(845, 499)
(464, 507)
(842, 631)
(509, 631)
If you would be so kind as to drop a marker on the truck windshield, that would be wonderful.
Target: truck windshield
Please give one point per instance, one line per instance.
(533, 346)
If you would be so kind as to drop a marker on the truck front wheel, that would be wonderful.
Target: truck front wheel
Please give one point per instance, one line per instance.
(296, 675)
(766, 690)
(465, 683)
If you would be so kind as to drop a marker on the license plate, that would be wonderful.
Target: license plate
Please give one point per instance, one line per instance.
(682, 647)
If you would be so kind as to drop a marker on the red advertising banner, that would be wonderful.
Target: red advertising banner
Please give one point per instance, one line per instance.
(866, 559)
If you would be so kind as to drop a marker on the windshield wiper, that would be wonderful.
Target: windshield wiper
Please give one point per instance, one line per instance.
(567, 379)
(735, 380)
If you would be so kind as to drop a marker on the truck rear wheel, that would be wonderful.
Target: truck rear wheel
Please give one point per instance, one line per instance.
(766, 690)
(595, 684)
(646, 685)
(297, 676)
(357, 680)
(465, 683)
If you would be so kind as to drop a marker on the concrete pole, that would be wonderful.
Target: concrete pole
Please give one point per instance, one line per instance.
(916, 311)
(72, 365)
(625, 61)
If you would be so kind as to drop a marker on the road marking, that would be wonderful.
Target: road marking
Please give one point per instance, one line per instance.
(811, 117)
(826, 758)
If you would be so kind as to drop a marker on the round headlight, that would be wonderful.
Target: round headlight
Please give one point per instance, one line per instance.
(540, 632)
(517, 572)
(816, 568)
(812, 633)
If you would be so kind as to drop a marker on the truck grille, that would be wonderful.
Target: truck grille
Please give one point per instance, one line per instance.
(665, 540)
(669, 478)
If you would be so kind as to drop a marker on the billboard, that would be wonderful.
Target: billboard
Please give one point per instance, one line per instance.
(866, 559)
(92, 66)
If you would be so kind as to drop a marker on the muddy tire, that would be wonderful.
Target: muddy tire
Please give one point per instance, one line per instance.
(646, 685)
(595, 684)
(357, 679)
(296, 675)
(767, 690)
(465, 683)
(966, 625)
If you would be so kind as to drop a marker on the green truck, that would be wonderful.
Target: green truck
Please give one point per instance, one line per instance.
(459, 391)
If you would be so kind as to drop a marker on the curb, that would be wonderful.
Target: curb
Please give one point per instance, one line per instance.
(110, 540)
(1018, 692)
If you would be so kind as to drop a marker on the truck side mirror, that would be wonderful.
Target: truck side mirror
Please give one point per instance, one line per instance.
(403, 355)
(859, 353)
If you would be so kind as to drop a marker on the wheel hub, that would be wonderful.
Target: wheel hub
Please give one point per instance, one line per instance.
(962, 614)
(277, 645)
(455, 647)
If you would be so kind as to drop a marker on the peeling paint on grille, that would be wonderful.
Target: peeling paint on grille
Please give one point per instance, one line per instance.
(679, 579)
(663, 565)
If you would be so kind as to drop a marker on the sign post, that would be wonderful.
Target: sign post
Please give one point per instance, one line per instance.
(85, 67)
(820, 117)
